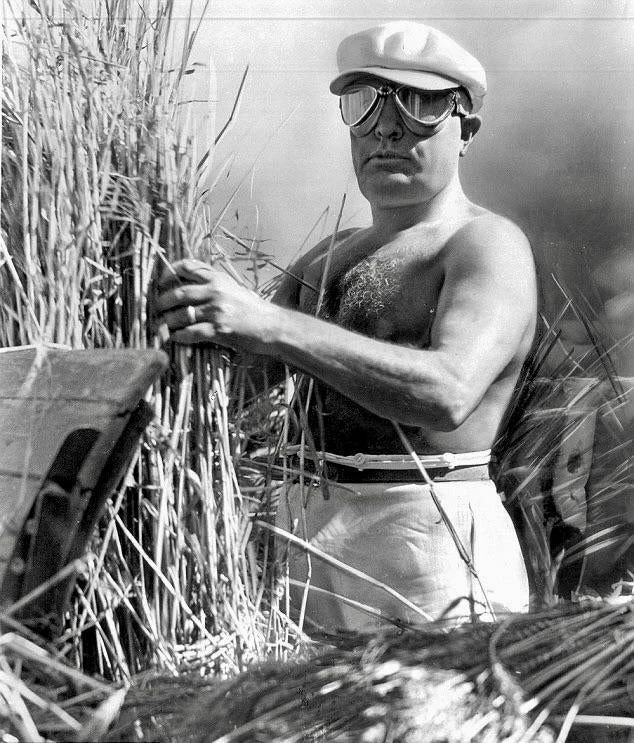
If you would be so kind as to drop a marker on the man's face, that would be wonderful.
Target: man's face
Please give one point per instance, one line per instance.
(395, 167)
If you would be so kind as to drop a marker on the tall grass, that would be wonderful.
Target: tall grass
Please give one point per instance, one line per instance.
(102, 187)
(565, 461)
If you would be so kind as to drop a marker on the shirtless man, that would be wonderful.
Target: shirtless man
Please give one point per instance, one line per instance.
(426, 319)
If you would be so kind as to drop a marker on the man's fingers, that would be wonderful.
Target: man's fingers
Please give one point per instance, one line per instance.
(202, 332)
(187, 271)
(183, 316)
(180, 296)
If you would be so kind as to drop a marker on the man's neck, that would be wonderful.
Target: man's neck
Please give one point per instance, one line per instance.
(443, 207)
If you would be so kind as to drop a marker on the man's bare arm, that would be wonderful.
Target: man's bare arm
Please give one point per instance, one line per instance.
(265, 372)
(485, 313)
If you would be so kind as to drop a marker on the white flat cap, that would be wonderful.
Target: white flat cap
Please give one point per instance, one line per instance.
(411, 54)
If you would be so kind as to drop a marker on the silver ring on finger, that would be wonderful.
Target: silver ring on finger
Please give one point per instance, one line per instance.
(191, 314)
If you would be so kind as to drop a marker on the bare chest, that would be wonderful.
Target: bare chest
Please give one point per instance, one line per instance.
(388, 293)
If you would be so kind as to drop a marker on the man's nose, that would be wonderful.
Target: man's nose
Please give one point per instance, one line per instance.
(389, 124)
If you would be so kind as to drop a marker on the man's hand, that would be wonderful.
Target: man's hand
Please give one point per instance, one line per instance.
(203, 304)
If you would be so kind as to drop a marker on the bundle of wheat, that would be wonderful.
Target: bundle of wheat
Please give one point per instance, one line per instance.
(102, 186)
(518, 679)
(563, 674)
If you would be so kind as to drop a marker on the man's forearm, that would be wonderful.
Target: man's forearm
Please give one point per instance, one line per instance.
(392, 381)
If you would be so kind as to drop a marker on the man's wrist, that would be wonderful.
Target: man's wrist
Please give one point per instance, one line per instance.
(271, 323)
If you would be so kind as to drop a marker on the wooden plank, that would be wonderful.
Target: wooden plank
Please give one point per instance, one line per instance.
(119, 377)
(33, 430)
(50, 397)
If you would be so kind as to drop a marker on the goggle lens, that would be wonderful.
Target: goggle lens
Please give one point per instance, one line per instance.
(424, 106)
(356, 102)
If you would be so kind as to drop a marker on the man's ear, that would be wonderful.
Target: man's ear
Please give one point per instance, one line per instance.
(469, 127)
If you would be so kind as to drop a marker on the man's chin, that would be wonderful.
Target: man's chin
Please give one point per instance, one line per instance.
(392, 189)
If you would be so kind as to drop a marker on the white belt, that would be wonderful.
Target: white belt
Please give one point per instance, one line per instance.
(398, 461)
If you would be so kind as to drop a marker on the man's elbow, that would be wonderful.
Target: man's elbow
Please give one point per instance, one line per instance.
(450, 414)
(445, 412)
(455, 413)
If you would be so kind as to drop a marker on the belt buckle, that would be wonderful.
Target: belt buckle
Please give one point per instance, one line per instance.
(360, 460)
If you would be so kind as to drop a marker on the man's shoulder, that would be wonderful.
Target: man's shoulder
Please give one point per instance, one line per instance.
(492, 252)
(490, 237)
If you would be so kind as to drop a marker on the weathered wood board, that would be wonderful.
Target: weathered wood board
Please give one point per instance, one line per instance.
(63, 413)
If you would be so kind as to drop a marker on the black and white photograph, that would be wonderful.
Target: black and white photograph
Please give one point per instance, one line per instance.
(317, 371)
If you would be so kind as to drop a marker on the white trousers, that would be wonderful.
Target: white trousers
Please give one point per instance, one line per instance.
(394, 533)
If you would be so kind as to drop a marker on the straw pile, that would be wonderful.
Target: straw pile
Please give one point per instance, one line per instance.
(564, 674)
(518, 679)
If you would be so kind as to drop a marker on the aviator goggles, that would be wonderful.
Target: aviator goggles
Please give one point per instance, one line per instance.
(421, 110)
